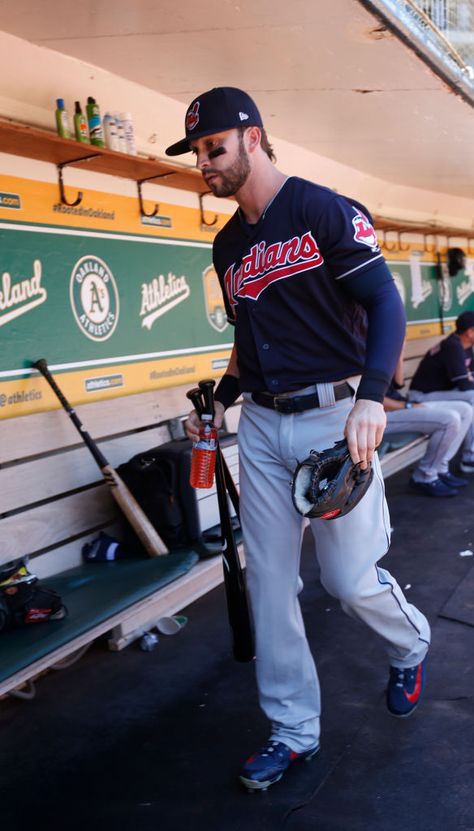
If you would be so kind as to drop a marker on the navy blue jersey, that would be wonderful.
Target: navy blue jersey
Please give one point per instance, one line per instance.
(446, 366)
(283, 284)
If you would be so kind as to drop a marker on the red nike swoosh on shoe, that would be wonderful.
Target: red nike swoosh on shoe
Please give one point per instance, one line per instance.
(412, 697)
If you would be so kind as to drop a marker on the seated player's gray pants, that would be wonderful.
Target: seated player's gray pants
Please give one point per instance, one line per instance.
(467, 450)
(347, 548)
(446, 423)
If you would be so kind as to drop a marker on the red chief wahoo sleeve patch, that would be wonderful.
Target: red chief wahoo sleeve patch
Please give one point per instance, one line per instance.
(364, 230)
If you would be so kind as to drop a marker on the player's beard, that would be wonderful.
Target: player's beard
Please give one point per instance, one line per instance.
(234, 177)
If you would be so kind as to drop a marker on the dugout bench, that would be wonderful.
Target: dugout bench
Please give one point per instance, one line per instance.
(53, 500)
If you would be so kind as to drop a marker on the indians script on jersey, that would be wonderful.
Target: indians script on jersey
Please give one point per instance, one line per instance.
(265, 264)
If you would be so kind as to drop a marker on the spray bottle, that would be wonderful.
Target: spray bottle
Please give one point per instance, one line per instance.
(126, 120)
(110, 132)
(80, 125)
(120, 133)
(95, 123)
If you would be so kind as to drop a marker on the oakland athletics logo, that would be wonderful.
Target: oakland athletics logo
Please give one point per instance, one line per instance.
(94, 298)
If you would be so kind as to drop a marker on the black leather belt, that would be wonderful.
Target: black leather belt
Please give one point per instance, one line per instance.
(298, 403)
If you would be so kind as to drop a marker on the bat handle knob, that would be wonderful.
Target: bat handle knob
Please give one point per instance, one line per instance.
(195, 396)
(207, 389)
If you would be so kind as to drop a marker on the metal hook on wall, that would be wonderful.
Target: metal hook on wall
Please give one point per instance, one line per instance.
(203, 220)
(143, 212)
(428, 249)
(60, 167)
(388, 247)
(402, 246)
(468, 248)
(62, 193)
(438, 246)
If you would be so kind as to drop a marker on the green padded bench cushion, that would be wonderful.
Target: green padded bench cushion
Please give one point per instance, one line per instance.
(92, 593)
(395, 441)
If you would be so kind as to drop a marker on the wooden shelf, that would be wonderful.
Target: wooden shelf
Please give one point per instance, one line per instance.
(432, 230)
(22, 140)
(33, 143)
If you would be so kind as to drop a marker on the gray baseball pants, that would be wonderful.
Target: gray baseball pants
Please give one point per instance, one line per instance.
(446, 423)
(451, 396)
(348, 549)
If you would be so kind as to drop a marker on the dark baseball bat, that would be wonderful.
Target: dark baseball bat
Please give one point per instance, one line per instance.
(146, 533)
(196, 397)
(234, 581)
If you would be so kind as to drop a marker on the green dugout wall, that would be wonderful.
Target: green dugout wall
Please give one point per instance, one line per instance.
(120, 304)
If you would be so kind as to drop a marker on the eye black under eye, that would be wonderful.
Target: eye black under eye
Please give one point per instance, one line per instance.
(218, 151)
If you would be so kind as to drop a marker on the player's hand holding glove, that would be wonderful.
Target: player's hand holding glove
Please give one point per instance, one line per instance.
(328, 484)
(364, 430)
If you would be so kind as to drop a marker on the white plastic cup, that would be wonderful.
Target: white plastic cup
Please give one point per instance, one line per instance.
(171, 625)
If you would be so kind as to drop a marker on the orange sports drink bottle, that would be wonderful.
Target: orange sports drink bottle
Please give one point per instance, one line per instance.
(203, 459)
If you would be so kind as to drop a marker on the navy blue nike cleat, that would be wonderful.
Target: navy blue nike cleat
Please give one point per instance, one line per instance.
(405, 688)
(268, 764)
(438, 488)
(453, 481)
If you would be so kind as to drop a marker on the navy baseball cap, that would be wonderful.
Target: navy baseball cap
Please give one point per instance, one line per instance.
(465, 321)
(219, 109)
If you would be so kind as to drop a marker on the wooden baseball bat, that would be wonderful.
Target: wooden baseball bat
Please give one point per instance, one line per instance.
(146, 533)
(234, 580)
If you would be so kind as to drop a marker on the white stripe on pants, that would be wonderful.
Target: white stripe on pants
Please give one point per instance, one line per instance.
(348, 549)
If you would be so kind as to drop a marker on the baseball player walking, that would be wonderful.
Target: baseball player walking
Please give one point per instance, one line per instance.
(319, 327)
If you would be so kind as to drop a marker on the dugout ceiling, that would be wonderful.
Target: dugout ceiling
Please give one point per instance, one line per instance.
(327, 76)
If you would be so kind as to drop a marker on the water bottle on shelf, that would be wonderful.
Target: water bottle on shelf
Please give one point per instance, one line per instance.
(203, 459)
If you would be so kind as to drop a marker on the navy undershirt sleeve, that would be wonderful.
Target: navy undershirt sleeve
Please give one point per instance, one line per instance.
(376, 292)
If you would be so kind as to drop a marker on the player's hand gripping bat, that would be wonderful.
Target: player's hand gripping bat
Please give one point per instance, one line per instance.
(237, 604)
(146, 533)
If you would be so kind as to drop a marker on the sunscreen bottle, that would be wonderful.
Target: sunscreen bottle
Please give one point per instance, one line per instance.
(81, 130)
(95, 123)
(62, 119)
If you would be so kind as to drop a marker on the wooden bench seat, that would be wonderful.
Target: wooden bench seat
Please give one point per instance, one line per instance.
(53, 500)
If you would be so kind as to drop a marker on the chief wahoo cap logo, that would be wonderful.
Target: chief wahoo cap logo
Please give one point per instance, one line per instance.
(192, 117)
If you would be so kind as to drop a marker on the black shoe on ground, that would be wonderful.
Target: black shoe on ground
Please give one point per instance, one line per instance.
(405, 688)
(436, 488)
(269, 763)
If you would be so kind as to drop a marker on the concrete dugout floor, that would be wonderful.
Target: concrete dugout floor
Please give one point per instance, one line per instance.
(154, 741)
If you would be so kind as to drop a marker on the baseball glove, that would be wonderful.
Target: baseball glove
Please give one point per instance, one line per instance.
(23, 600)
(327, 485)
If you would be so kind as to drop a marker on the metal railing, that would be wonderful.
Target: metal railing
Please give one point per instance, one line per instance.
(445, 27)
(455, 20)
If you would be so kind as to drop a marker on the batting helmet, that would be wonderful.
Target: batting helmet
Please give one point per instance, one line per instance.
(327, 485)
